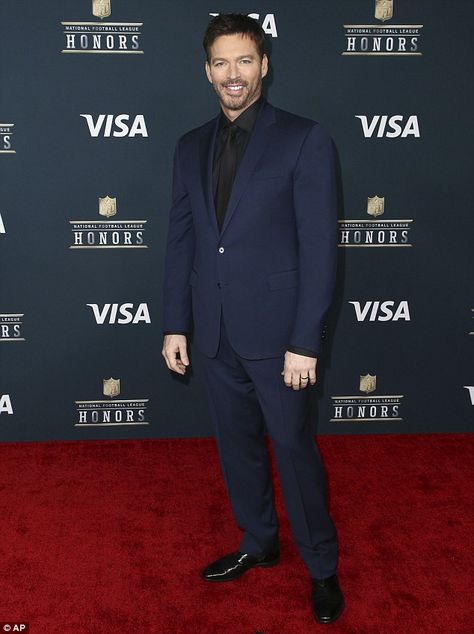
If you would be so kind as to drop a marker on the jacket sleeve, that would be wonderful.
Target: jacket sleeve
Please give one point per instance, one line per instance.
(315, 208)
(180, 244)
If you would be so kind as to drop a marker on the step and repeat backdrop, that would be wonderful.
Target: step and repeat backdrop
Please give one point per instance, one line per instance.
(93, 97)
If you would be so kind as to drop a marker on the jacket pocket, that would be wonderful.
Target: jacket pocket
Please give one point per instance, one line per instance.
(264, 174)
(283, 279)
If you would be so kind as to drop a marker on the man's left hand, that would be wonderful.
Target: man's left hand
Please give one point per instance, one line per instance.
(299, 370)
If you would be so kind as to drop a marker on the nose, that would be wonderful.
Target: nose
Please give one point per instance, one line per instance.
(233, 71)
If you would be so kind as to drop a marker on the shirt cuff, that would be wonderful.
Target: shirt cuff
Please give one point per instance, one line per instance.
(303, 351)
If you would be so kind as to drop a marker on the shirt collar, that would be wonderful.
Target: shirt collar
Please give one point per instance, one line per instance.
(247, 118)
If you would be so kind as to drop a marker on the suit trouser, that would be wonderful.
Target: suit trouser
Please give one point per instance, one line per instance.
(243, 394)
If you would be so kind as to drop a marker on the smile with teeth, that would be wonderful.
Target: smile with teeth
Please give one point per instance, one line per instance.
(235, 87)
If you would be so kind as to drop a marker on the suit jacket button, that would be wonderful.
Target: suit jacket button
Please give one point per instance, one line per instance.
(218, 284)
(221, 249)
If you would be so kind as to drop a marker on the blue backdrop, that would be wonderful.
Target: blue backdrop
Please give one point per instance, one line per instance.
(93, 98)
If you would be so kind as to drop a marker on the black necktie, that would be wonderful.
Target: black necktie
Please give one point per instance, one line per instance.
(227, 168)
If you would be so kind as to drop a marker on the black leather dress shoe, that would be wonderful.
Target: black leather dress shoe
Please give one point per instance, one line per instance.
(233, 565)
(326, 599)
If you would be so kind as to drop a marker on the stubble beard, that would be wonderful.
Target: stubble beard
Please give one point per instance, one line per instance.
(238, 103)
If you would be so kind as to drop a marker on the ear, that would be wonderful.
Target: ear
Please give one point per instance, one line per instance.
(264, 65)
(208, 71)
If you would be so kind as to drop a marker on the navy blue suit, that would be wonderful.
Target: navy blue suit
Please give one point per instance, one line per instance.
(262, 283)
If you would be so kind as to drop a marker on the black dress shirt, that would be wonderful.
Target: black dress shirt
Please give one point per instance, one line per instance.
(224, 170)
(223, 173)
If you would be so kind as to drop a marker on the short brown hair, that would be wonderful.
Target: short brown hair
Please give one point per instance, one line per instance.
(231, 23)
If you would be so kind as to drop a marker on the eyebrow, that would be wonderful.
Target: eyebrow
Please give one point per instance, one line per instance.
(223, 59)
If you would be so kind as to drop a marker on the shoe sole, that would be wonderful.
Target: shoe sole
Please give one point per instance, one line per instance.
(262, 564)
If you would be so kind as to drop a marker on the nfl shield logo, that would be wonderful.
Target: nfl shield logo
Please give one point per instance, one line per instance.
(101, 8)
(367, 383)
(107, 206)
(375, 206)
(383, 9)
(111, 387)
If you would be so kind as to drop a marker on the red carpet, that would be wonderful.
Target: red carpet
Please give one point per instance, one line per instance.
(110, 536)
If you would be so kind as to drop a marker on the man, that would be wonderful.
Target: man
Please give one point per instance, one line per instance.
(251, 260)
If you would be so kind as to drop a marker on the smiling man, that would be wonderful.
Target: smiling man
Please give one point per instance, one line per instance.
(235, 71)
(251, 261)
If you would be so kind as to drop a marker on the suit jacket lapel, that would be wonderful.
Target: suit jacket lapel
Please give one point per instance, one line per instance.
(206, 160)
(253, 152)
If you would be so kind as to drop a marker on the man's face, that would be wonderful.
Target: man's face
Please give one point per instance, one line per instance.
(235, 70)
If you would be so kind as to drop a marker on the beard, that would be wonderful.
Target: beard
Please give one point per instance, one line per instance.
(238, 102)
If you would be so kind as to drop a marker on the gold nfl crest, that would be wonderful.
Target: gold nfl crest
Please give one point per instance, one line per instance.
(101, 8)
(111, 387)
(107, 206)
(367, 383)
(383, 9)
(375, 206)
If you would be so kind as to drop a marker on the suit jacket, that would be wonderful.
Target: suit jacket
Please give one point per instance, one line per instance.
(273, 265)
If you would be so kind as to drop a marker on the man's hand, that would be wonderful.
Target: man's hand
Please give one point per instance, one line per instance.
(172, 345)
(298, 366)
